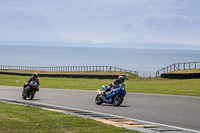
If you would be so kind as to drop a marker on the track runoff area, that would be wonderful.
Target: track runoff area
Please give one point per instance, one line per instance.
(115, 120)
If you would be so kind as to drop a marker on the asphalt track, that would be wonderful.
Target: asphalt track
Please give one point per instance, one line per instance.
(179, 111)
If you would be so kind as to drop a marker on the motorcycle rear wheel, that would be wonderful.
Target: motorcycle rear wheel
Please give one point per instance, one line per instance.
(118, 99)
(98, 99)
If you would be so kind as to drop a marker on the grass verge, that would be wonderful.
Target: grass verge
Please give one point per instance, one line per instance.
(23, 119)
(187, 87)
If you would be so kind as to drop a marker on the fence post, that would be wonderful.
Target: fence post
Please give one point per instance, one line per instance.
(178, 66)
(170, 68)
(195, 65)
(189, 65)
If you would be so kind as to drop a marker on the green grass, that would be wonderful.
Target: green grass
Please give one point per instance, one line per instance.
(23, 119)
(188, 87)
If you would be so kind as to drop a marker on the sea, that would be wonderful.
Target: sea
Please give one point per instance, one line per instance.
(145, 61)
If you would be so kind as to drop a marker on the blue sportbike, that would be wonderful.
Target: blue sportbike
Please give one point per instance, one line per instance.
(115, 96)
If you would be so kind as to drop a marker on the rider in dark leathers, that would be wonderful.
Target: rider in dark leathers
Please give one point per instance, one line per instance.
(115, 83)
(33, 78)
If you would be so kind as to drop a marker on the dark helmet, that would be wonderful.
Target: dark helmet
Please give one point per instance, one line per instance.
(35, 75)
(121, 78)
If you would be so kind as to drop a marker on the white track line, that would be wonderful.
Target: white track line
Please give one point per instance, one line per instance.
(143, 121)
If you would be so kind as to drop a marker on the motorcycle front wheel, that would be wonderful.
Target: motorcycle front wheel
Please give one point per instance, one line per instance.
(118, 99)
(32, 94)
(98, 99)
(23, 94)
(23, 97)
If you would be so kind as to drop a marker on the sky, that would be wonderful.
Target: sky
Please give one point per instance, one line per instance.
(101, 21)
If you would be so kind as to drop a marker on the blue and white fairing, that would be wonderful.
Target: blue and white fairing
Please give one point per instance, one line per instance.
(113, 92)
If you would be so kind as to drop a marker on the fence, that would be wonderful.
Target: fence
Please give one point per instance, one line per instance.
(69, 68)
(178, 66)
(147, 74)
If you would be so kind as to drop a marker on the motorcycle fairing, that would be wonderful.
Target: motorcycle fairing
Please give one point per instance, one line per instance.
(113, 92)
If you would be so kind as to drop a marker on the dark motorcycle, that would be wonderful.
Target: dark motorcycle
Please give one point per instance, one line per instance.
(29, 90)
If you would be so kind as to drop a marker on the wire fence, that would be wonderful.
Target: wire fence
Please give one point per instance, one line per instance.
(170, 68)
(147, 74)
(178, 66)
(69, 68)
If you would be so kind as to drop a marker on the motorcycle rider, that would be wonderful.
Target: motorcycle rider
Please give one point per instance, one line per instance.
(115, 83)
(33, 78)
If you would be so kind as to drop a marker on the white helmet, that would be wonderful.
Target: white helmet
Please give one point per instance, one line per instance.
(35, 75)
(121, 78)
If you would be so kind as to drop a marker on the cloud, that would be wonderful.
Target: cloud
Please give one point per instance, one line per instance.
(102, 20)
(155, 21)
